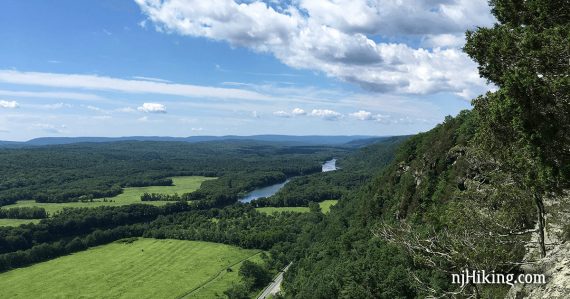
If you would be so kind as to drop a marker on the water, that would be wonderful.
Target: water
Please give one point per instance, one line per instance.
(263, 192)
(329, 165)
(271, 190)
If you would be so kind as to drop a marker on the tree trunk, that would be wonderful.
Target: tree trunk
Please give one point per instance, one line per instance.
(541, 223)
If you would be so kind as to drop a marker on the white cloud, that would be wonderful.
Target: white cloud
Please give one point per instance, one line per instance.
(95, 108)
(367, 115)
(151, 79)
(298, 111)
(197, 129)
(51, 95)
(131, 86)
(444, 40)
(282, 113)
(336, 37)
(326, 114)
(362, 115)
(152, 108)
(8, 104)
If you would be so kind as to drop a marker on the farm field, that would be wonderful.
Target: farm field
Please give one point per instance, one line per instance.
(129, 196)
(145, 268)
(325, 207)
(17, 222)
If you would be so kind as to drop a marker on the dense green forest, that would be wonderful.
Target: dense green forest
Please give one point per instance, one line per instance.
(76, 172)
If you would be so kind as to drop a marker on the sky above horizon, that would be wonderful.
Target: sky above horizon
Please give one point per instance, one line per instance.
(224, 67)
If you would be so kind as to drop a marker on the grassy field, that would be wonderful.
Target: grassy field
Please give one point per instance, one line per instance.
(146, 268)
(325, 207)
(129, 196)
(17, 222)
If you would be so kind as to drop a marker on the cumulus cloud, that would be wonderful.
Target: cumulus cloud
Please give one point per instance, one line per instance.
(152, 108)
(282, 113)
(362, 115)
(298, 111)
(8, 104)
(337, 37)
(367, 115)
(326, 114)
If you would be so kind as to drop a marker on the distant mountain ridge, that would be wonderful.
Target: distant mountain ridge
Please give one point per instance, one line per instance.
(307, 140)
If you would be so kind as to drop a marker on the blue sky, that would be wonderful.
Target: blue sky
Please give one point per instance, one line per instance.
(184, 67)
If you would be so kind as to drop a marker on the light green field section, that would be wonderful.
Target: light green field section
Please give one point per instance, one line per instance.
(327, 204)
(17, 222)
(129, 196)
(325, 207)
(146, 268)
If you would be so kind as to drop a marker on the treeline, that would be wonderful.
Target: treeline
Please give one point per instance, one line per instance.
(160, 197)
(46, 251)
(239, 225)
(70, 223)
(78, 172)
(23, 213)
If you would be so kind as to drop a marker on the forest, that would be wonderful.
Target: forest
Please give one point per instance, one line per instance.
(77, 172)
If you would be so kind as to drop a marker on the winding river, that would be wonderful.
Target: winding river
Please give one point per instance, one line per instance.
(329, 165)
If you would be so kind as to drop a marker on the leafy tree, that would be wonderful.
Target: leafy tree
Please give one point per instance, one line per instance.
(525, 124)
(238, 291)
(255, 275)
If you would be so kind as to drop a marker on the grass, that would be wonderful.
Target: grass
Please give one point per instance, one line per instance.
(325, 207)
(17, 222)
(327, 204)
(146, 268)
(129, 196)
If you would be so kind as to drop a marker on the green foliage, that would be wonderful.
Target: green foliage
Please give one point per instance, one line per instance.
(237, 291)
(255, 276)
(78, 172)
(355, 170)
(23, 213)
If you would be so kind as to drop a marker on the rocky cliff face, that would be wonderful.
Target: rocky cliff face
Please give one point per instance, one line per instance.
(556, 264)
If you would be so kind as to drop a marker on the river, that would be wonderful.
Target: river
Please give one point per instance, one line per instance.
(329, 165)
(271, 190)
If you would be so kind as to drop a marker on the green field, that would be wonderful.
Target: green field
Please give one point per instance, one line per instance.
(129, 196)
(325, 207)
(17, 222)
(146, 268)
